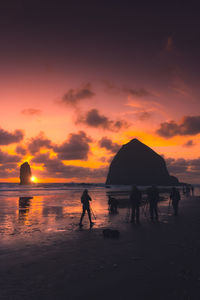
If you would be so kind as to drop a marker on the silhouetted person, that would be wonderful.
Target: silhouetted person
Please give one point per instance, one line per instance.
(113, 205)
(175, 197)
(192, 190)
(153, 197)
(184, 189)
(135, 199)
(85, 200)
(187, 190)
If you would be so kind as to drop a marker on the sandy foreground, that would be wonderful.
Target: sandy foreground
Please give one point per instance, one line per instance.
(150, 261)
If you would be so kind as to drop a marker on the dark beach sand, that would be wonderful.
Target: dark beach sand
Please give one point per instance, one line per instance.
(150, 261)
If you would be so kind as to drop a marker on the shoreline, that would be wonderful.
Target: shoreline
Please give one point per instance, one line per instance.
(151, 261)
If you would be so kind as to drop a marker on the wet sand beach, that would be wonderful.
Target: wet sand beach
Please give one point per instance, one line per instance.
(150, 261)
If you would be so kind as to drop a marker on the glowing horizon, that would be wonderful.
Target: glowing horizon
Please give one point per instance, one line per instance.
(70, 98)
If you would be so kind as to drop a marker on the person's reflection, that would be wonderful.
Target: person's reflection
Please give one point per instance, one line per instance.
(53, 211)
(24, 204)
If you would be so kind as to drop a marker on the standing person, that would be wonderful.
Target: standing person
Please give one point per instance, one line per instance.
(192, 189)
(135, 199)
(184, 189)
(175, 197)
(153, 197)
(85, 198)
(187, 190)
(113, 205)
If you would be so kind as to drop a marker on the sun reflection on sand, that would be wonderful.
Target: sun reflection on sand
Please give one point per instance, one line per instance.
(29, 218)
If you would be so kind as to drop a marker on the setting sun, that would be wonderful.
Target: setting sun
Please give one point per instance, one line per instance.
(33, 179)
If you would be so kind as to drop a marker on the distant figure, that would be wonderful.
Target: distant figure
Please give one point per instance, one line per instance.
(187, 190)
(135, 199)
(175, 197)
(85, 198)
(192, 189)
(113, 205)
(153, 197)
(184, 189)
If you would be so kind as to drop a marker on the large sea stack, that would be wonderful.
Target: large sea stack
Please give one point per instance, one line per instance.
(136, 163)
(25, 173)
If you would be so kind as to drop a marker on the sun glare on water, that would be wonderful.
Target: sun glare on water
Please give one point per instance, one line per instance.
(33, 179)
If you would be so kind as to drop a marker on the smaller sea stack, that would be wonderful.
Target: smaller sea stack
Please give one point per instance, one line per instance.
(25, 173)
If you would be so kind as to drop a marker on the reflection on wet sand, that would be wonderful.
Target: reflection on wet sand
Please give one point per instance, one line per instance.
(26, 216)
(24, 204)
(53, 210)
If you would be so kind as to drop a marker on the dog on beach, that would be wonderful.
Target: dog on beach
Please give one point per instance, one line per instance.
(111, 233)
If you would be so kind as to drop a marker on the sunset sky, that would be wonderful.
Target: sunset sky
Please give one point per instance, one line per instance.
(81, 78)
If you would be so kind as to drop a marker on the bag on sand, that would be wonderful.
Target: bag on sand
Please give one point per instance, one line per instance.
(111, 233)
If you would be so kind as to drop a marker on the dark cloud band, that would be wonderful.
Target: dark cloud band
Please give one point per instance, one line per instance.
(7, 138)
(190, 125)
(108, 144)
(93, 118)
(75, 148)
(74, 96)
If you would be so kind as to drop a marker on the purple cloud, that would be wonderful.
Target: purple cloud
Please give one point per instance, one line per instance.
(7, 138)
(190, 125)
(107, 143)
(75, 148)
(39, 142)
(94, 119)
(74, 96)
(31, 111)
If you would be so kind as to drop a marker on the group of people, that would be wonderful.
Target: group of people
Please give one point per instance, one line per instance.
(188, 189)
(153, 198)
(135, 203)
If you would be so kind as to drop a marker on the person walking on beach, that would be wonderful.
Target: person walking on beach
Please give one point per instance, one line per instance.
(153, 197)
(85, 200)
(135, 199)
(175, 197)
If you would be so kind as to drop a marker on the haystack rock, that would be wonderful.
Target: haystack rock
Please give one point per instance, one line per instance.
(25, 173)
(136, 163)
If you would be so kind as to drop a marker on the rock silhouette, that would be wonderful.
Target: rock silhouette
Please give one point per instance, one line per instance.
(25, 173)
(136, 163)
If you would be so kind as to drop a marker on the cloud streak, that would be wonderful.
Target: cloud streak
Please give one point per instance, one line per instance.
(189, 144)
(73, 96)
(20, 150)
(93, 118)
(38, 142)
(75, 148)
(31, 111)
(8, 170)
(7, 138)
(7, 158)
(190, 125)
(108, 144)
(136, 92)
(55, 168)
(187, 170)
